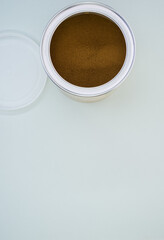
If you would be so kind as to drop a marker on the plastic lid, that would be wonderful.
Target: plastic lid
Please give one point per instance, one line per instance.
(22, 78)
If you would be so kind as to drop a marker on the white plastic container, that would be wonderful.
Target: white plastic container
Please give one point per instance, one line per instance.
(83, 93)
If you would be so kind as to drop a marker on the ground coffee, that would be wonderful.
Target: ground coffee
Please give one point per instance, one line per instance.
(88, 50)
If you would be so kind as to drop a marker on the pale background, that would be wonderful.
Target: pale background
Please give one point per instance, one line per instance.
(77, 171)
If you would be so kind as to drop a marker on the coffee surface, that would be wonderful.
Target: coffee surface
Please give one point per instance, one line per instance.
(88, 50)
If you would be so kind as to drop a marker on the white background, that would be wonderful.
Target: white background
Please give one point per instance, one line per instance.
(79, 171)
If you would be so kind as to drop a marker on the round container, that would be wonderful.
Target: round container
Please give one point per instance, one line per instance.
(87, 93)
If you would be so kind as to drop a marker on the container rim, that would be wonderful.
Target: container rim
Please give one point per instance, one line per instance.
(81, 8)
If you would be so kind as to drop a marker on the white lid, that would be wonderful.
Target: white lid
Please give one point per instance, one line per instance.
(22, 78)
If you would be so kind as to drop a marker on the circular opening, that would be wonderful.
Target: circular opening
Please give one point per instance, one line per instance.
(82, 8)
(88, 49)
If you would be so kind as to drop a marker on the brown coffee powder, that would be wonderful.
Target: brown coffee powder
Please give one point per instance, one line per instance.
(88, 50)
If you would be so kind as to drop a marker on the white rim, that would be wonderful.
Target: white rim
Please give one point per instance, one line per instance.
(80, 8)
